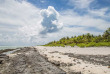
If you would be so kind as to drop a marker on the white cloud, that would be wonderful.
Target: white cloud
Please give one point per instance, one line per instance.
(50, 20)
(86, 20)
(42, 1)
(21, 23)
(80, 3)
(98, 12)
(10, 10)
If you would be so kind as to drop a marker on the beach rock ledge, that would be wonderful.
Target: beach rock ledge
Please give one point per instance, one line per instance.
(27, 60)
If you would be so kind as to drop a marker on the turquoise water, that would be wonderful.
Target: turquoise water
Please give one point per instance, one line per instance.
(9, 47)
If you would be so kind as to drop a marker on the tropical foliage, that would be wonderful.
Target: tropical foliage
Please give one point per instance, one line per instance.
(87, 40)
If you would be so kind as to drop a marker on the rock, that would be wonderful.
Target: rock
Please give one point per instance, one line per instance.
(74, 60)
(63, 64)
(74, 72)
(3, 58)
(69, 64)
(59, 57)
(33, 63)
(52, 56)
(71, 55)
(1, 61)
(103, 60)
(78, 62)
(74, 64)
(57, 63)
(108, 66)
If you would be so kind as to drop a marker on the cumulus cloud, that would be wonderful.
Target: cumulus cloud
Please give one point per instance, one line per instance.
(50, 20)
(22, 24)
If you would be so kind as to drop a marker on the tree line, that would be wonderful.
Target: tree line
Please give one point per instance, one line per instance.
(85, 40)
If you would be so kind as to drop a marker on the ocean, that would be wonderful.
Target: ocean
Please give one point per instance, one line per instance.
(9, 47)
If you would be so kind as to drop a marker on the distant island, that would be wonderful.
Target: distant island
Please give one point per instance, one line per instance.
(87, 40)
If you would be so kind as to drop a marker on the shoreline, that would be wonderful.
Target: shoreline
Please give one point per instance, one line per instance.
(12, 49)
(82, 60)
(69, 60)
(27, 60)
(3, 51)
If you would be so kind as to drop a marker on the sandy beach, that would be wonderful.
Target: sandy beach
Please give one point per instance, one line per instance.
(56, 60)
(92, 60)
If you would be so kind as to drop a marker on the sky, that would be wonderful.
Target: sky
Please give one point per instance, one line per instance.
(37, 22)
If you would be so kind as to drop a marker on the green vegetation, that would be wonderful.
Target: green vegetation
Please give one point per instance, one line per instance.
(87, 40)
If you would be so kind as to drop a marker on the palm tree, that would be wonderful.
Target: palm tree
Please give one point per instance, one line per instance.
(106, 35)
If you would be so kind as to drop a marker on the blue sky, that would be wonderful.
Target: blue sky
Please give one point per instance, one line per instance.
(63, 4)
(60, 5)
(57, 4)
(35, 22)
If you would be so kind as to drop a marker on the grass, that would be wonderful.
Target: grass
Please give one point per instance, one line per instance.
(91, 44)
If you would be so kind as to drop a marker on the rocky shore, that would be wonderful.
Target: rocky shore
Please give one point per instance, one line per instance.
(56, 60)
(92, 60)
(27, 60)
(103, 60)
